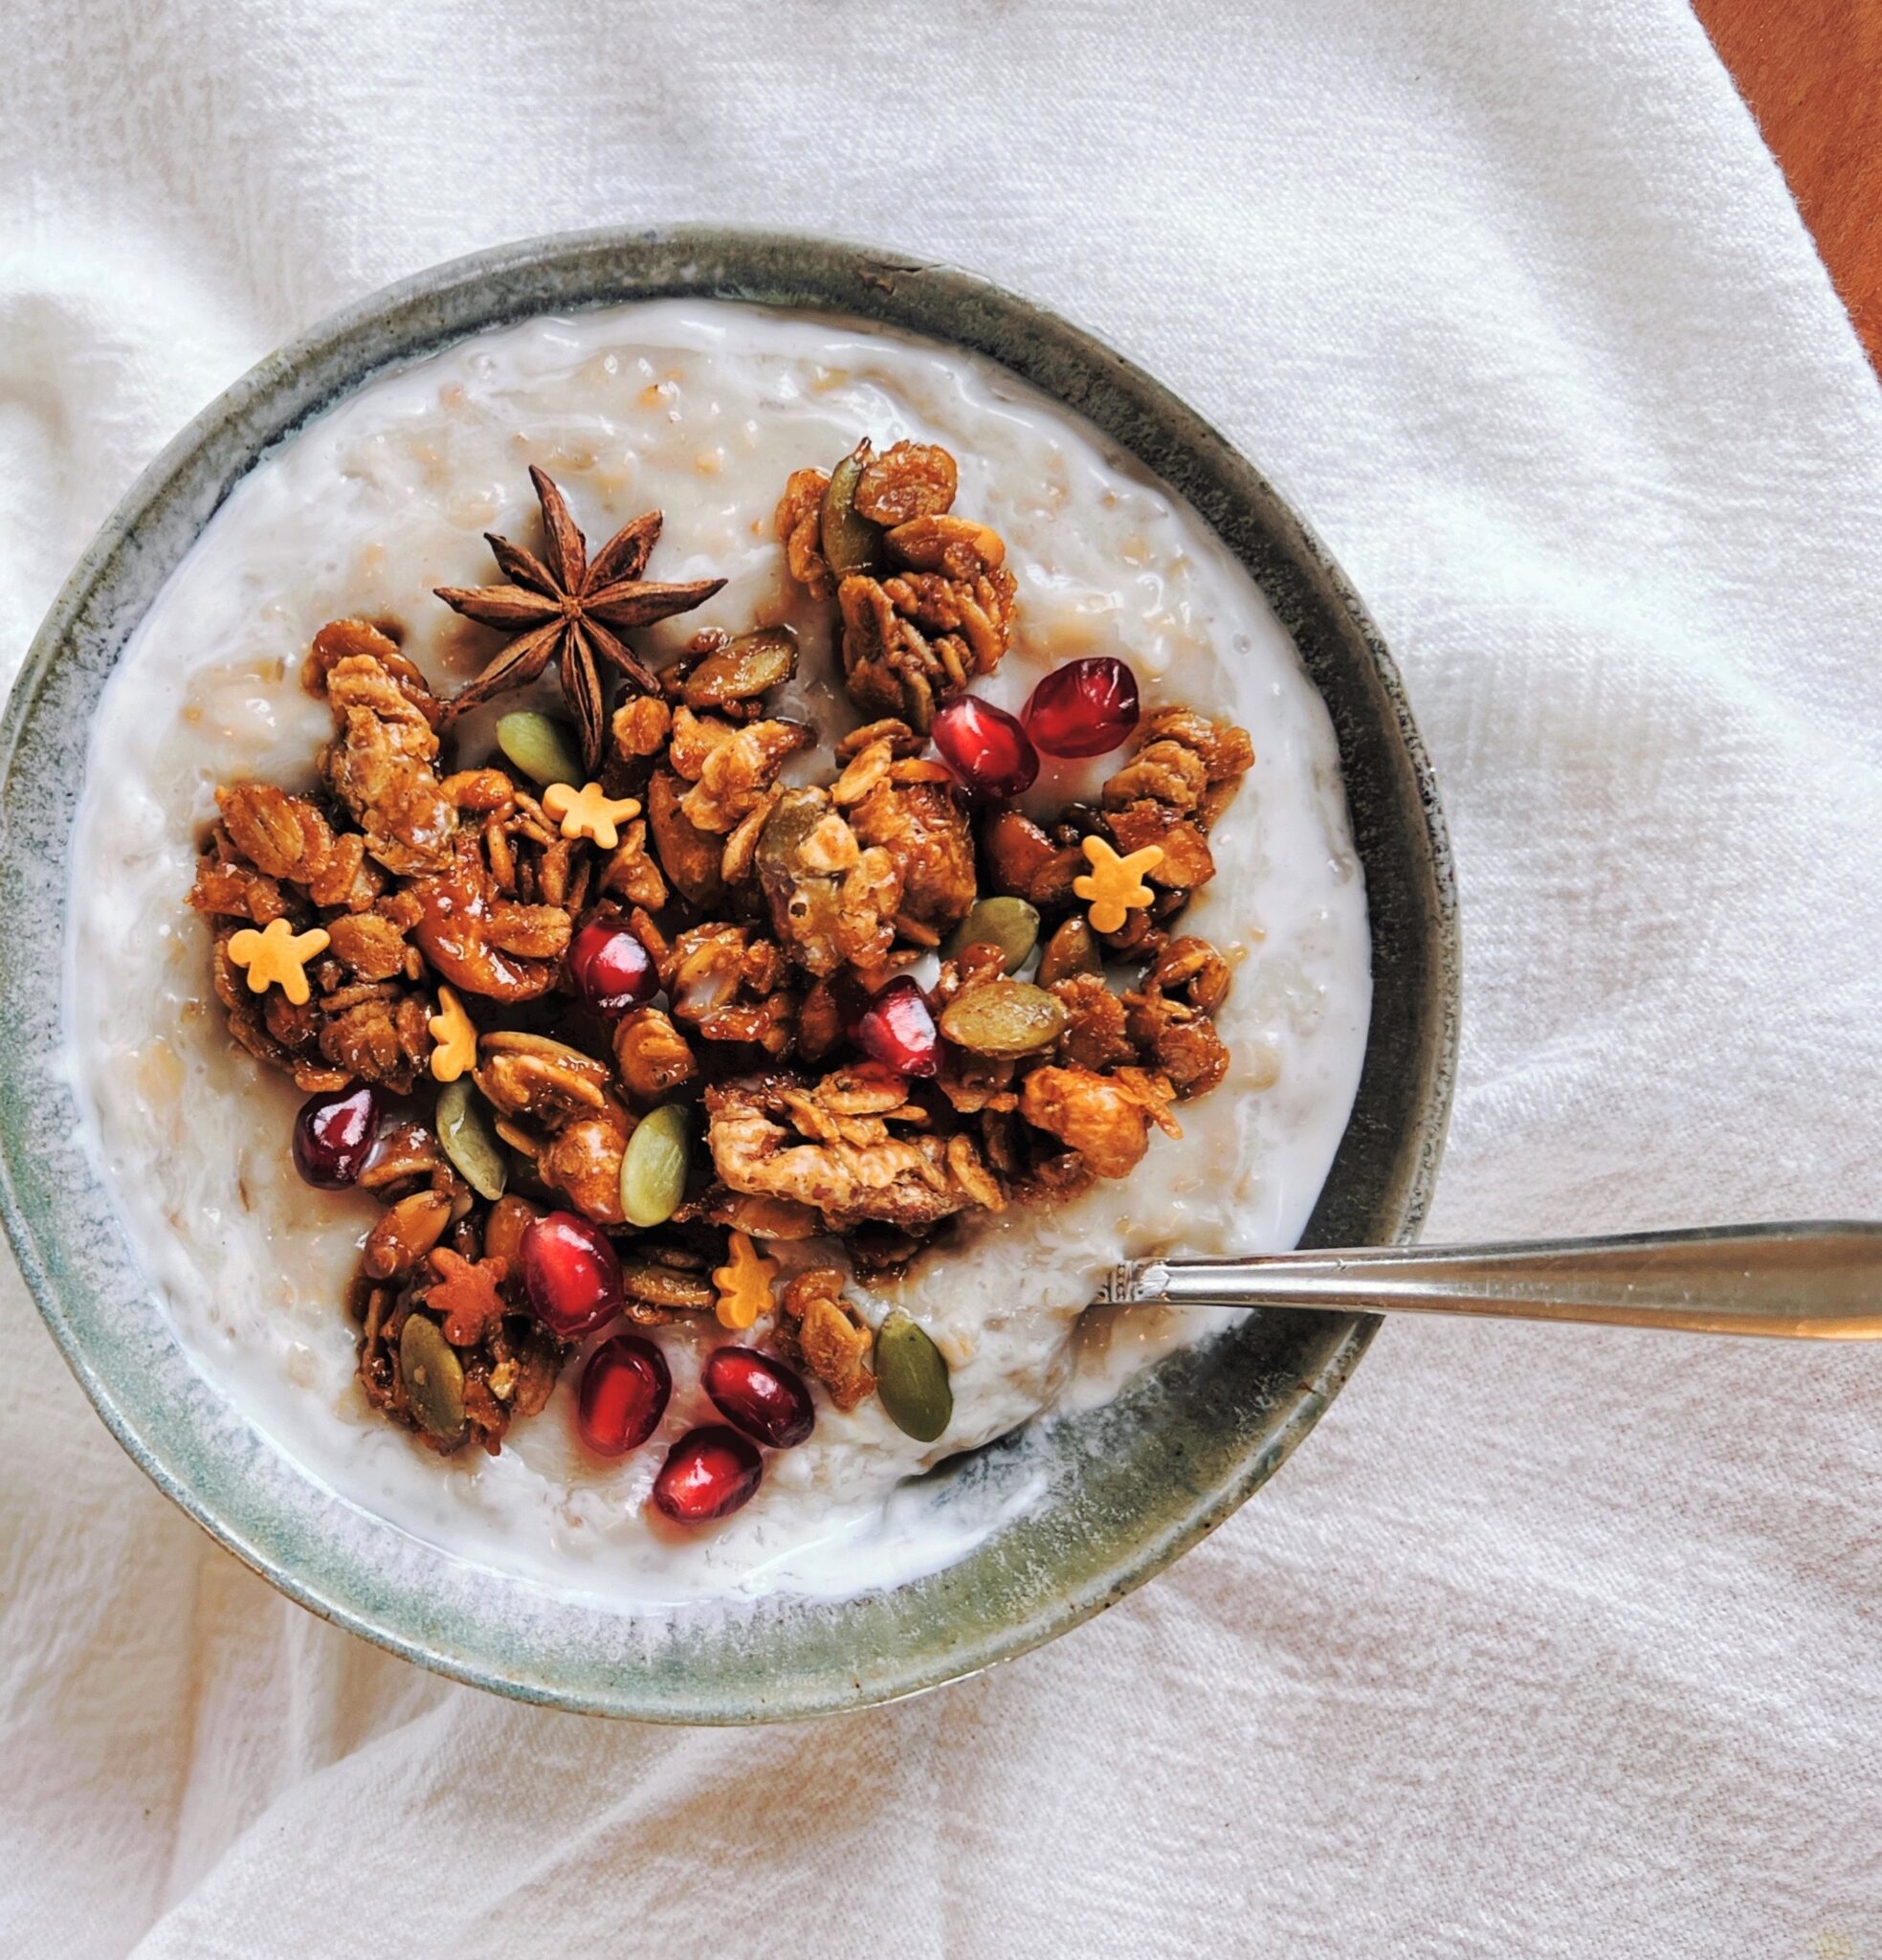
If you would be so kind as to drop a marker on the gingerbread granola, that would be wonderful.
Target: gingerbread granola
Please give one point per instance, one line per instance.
(829, 1000)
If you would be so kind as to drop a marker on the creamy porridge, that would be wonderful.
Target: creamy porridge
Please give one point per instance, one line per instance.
(702, 412)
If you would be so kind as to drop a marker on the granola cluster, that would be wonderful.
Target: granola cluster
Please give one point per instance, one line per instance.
(926, 599)
(777, 915)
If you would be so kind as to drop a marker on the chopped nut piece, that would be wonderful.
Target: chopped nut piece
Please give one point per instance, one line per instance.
(902, 740)
(1169, 1016)
(1187, 861)
(342, 639)
(1193, 970)
(583, 1161)
(1095, 1038)
(631, 874)
(547, 1082)
(510, 1217)
(1180, 1043)
(947, 543)
(727, 985)
(689, 856)
(458, 931)
(405, 1151)
(1025, 863)
(641, 726)
(651, 1055)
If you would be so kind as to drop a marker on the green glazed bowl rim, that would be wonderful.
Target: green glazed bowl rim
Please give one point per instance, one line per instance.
(1127, 1488)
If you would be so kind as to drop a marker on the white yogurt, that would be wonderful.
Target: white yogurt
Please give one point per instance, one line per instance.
(703, 410)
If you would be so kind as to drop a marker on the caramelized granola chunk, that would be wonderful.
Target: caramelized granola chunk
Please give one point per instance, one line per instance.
(1184, 760)
(800, 531)
(830, 1145)
(381, 766)
(831, 902)
(922, 826)
(1105, 1119)
(910, 479)
(730, 768)
(651, 1055)
(829, 1337)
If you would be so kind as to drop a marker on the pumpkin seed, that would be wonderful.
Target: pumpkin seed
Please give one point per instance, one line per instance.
(752, 663)
(911, 1379)
(850, 542)
(433, 1375)
(541, 747)
(1009, 924)
(654, 1166)
(1072, 950)
(469, 1141)
(1002, 1018)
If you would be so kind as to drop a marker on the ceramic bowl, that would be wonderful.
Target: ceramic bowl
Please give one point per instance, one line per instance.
(1125, 1488)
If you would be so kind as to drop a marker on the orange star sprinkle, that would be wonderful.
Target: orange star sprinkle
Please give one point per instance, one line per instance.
(1115, 885)
(277, 956)
(745, 1286)
(589, 812)
(466, 1295)
(456, 1037)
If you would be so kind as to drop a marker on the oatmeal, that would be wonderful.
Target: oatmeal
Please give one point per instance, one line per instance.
(722, 1047)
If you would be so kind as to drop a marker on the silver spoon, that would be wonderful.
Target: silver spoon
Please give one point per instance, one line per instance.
(1800, 1282)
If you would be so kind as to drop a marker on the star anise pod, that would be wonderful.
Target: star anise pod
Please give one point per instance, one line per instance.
(563, 606)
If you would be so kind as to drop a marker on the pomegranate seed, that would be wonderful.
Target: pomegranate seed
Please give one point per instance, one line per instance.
(1086, 707)
(985, 748)
(898, 1031)
(611, 970)
(570, 1274)
(625, 1388)
(708, 1474)
(761, 1396)
(333, 1134)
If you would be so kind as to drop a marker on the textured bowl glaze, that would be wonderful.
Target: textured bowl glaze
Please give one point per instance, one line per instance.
(1127, 1487)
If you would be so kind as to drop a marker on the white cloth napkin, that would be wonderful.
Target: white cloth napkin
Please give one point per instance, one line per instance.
(1546, 1643)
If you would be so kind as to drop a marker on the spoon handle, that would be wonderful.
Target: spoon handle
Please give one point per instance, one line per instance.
(1804, 1281)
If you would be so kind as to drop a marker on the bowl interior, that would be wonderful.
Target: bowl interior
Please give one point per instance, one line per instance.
(1115, 1493)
